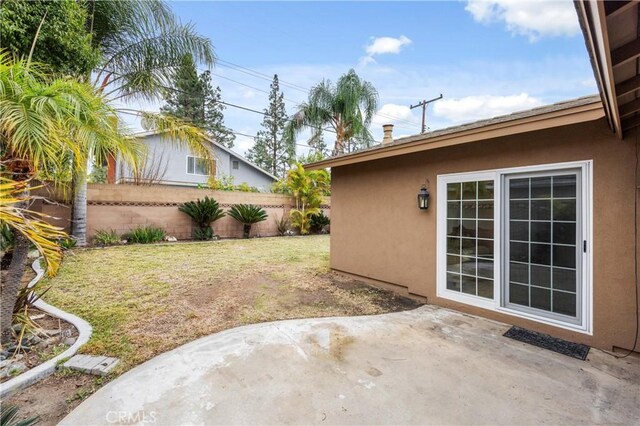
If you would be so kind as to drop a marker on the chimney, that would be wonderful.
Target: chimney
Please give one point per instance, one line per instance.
(388, 134)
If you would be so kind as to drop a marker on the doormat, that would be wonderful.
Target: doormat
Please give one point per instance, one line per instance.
(574, 350)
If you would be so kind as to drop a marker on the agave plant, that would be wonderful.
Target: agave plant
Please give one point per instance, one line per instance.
(203, 212)
(247, 214)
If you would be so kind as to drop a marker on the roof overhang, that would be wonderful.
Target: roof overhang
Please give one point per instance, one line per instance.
(553, 118)
(611, 31)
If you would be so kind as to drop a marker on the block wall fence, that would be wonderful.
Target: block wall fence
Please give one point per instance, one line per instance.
(125, 207)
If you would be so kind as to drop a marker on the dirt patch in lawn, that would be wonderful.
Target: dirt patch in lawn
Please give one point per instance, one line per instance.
(54, 397)
(143, 300)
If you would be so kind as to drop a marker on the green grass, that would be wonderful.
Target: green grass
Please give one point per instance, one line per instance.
(143, 300)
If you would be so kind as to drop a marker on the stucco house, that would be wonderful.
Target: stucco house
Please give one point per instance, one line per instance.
(168, 164)
(531, 218)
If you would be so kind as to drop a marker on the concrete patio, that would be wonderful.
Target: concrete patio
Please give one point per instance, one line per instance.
(427, 366)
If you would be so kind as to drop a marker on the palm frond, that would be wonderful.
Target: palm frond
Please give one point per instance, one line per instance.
(178, 132)
(29, 223)
(142, 47)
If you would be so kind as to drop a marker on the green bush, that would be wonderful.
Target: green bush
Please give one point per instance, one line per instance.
(106, 238)
(244, 187)
(225, 183)
(67, 243)
(247, 214)
(203, 212)
(203, 234)
(319, 221)
(145, 235)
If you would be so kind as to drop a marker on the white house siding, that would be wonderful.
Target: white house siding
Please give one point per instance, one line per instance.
(174, 161)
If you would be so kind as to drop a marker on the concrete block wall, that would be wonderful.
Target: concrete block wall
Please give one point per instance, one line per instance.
(126, 207)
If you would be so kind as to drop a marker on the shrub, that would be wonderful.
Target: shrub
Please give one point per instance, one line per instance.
(145, 235)
(203, 233)
(247, 214)
(203, 212)
(319, 221)
(244, 187)
(225, 183)
(106, 238)
(281, 187)
(282, 224)
(67, 243)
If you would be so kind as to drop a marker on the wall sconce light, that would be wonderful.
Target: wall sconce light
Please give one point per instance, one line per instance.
(423, 198)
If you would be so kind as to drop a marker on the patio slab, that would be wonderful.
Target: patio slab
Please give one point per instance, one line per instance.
(427, 366)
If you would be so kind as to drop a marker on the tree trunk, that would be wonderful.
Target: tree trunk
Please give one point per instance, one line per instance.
(246, 230)
(79, 222)
(12, 284)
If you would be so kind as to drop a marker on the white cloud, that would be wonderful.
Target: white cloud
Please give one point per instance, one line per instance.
(531, 18)
(383, 46)
(392, 113)
(472, 108)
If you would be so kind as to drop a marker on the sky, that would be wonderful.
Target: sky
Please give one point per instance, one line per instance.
(486, 58)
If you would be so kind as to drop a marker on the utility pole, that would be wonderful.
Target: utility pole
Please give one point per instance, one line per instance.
(424, 104)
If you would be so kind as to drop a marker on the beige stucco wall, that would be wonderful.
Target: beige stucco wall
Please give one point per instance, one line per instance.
(379, 233)
(125, 207)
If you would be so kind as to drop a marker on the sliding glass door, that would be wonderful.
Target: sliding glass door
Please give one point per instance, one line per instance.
(518, 241)
(542, 244)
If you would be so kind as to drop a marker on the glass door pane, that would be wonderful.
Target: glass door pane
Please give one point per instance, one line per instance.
(470, 238)
(543, 243)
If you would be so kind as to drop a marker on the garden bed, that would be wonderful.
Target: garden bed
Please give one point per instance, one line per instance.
(52, 337)
(143, 300)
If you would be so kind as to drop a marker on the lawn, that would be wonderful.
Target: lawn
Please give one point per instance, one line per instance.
(143, 300)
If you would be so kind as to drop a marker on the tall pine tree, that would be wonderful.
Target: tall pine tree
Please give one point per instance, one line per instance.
(214, 113)
(195, 100)
(187, 100)
(271, 151)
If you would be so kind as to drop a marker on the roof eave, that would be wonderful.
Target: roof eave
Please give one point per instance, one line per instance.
(578, 114)
(592, 18)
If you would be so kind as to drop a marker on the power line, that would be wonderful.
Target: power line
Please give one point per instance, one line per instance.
(263, 76)
(173, 89)
(140, 113)
(251, 87)
(296, 102)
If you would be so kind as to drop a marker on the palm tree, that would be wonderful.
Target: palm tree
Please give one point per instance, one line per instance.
(347, 107)
(142, 45)
(307, 189)
(247, 215)
(41, 120)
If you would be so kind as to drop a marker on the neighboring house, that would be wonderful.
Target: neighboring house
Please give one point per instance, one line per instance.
(532, 216)
(168, 164)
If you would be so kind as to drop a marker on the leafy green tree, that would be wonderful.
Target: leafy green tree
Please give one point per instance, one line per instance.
(347, 107)
(214, 113)
(63, 41)
(272, 151)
